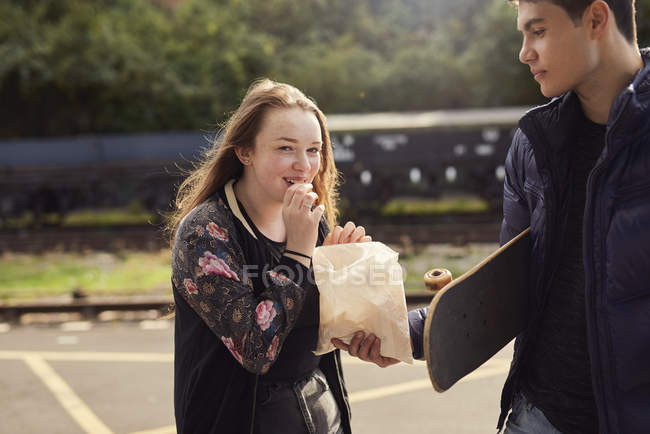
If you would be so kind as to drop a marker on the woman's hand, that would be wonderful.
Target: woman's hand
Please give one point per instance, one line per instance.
(350, 233)
(300, 220)
(368, 349)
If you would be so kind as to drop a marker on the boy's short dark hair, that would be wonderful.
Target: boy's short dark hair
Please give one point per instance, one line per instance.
(623, 11)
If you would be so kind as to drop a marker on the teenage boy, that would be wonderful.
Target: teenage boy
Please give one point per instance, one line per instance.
(578, 173)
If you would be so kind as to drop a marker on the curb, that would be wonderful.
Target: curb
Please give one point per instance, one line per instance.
(91, 307)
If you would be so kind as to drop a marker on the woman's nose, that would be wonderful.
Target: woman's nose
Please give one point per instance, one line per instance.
(302, 161)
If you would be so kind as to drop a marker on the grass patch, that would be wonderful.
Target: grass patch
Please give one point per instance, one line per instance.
(24, 276)
(457, 259)
(418, 206)
(113, 217)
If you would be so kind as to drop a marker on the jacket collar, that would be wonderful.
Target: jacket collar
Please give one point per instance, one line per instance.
(629, 117)
(234, 206)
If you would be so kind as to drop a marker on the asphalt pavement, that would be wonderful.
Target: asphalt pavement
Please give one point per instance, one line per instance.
(116, 377)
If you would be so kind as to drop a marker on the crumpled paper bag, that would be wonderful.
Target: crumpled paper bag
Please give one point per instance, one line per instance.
(361, 288)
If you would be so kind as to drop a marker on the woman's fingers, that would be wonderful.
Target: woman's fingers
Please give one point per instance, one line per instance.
(357, 235)
(317, 213)
(348, 229)
(295, 195)
(309, 200)
(347, 234)
(336, 234)
(300, 220)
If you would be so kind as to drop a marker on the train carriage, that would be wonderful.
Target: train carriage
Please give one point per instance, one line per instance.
(380, 155)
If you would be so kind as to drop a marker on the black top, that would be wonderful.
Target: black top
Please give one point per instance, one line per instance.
(296, 359)
(558, 376)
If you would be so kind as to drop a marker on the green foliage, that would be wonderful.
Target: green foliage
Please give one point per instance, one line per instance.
(80, 66)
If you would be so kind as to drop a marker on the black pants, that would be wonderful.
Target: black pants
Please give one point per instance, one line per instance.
(304, 407)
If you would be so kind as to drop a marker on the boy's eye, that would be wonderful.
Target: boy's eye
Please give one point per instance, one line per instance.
(539, 32)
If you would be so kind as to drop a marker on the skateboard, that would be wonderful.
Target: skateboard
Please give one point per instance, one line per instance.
(472, 317)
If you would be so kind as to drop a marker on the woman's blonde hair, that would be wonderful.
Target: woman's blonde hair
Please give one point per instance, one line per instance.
(220, 163)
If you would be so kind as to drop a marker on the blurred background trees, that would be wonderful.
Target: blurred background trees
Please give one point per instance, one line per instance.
(95, 66)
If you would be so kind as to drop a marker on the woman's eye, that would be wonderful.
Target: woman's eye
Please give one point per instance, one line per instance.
(285, 148)
(314, 150)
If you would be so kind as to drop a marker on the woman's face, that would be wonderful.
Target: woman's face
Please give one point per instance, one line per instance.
(287, 150)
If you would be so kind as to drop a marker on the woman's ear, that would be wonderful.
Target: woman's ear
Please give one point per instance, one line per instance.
(244, 155)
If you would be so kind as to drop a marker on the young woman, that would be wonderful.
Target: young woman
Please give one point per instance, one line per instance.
(246, 224)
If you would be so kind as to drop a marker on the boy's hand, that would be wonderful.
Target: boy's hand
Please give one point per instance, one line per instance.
(368, 349)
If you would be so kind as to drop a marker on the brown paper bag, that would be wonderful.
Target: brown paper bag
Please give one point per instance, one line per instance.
(361, 288)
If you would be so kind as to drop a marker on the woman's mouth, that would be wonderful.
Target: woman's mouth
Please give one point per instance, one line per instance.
(297, 180)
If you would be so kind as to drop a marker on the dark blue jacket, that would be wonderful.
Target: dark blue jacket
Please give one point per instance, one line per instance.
(616, 245)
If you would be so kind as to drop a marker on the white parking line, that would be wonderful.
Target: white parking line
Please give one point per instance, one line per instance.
(79, 411)
(67, 340)
(80, 356)
(76, 326)
(171, 429)
(490, 369)
(155, 324)
(92, 424)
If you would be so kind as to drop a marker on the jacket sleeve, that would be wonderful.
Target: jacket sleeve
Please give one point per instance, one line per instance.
(516, 216)
(416, 319)
(209, 272)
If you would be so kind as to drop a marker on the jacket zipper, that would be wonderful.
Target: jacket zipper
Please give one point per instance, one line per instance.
(257, 377)
(590, 278)
(589, 281)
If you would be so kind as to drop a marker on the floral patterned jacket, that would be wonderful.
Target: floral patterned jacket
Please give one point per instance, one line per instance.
(210, 273)
(215, 297)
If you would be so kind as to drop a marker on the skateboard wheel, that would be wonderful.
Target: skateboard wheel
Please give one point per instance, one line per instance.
(436, 279)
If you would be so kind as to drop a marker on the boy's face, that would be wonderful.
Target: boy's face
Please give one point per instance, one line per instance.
(560, 53)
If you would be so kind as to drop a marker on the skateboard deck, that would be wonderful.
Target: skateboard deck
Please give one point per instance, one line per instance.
(471, 318)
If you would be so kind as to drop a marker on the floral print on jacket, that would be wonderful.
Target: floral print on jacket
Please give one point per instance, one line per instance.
(208, 271)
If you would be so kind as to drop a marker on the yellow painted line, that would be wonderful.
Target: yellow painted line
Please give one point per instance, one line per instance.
(171, 429)
(491, 370)
(79, 411)
(81, 356)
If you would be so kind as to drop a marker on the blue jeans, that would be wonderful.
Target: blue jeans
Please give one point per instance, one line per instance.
(527, 419)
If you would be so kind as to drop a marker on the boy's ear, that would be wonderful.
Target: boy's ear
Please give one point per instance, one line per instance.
(598, 16)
